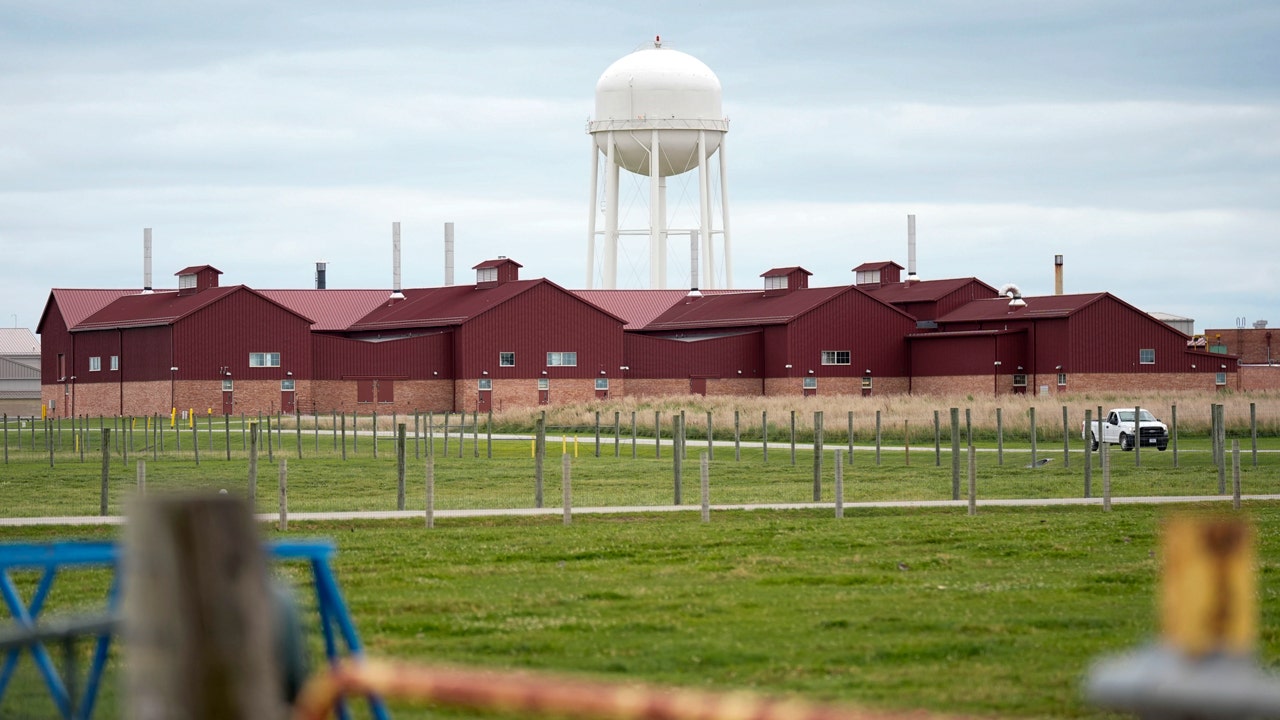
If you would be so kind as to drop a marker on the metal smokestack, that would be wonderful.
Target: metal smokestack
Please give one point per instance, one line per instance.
(693, 264)
(911, 248)
(1057, 274)
(395, 262)
(146, 261)
(320, 268)
(448, 254)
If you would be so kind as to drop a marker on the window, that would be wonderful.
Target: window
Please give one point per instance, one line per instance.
(1147, 356)
(1062, 378)
(1220, 378)
(544, 384)
(866, 277)
(115, 362)
(486, 274)
(95, 364)
(809, 383)
(286, 385)
(602, 383)
(186, 282)
(775, 282)
(866, 382)
(1019, 380)
(506, 359)
(835, 357)
(485, 384)
(567, 359)
(262, 359)
(228, 385)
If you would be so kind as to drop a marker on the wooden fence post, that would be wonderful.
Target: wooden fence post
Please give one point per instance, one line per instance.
(1032, 411)
(142, 476)
(431, 491)
(284, 494)
(817, 456)
(705, 475)
(197, 613)
(566, 487)
(677, 454)
(539, 453)
(839, 489)
(1088, 448)
(999, 437)
(253, 464)
(400, 451)
(973, 481)
(955, 453)
(106, 469)
(1066, 439)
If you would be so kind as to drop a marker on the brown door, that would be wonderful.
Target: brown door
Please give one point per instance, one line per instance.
(227, 402)
(544, 397)
(698, 386)
(810, 392)
(286, 401)
(483, 400)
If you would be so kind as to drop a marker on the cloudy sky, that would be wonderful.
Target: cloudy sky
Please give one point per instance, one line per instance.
(1140, 139)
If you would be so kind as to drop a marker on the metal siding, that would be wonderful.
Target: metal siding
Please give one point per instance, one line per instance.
(720, 357)
(223, 334)
(54, 341)
(415, 357)
(540, 320)
(1108, 334)
(967, 355)
(872, 332)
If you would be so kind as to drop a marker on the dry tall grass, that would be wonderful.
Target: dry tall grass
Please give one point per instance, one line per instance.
(914, 413)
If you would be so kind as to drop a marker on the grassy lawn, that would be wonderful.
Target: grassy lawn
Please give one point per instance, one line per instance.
(995, 614)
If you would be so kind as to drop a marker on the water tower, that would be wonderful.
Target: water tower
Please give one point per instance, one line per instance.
(664, 104)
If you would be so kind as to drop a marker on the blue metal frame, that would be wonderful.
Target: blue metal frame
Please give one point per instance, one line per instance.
(53, 557)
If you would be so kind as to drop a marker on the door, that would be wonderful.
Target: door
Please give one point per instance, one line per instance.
(484, 401)
(544, 391)
(227, 402)
(698, 386)
(286, 402)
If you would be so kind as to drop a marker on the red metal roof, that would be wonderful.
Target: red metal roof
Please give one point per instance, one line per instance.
(1040, 306)
(921, 290)
(329, 310)
(877, 265)
(160, 308)
(784, 271)
(638, 308)
(741, 309)
(497, 262)
(197, 268)
(443, 306)
(76, 305)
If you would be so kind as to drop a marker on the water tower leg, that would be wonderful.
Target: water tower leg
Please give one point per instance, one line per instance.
(591, 214)
(611, 218)
(704, 214)
(724, 209)
(662, 238)
(655, 211)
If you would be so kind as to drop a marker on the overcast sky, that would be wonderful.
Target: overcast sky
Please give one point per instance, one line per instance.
(1140, 139)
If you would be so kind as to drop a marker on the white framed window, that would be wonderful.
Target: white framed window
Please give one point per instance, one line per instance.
(1019, 380)
(868, 276)
(186, 282)
(602, 383)
(95, 363)
(115, 362)
(565, 359)
(866, 382)
(809, 383)
(1147, 356)
(485, 384)
(775, 282)
(228, 385)
(1062, 378)
(486, 274)
(1220, 378)
(835, 357)
(264, 359)
(506, 359)
(286, 385)
(544, 384)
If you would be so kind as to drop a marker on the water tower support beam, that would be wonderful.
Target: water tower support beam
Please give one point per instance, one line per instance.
(657, 261)
(724, 209)
(592, 208)
(611, 217)
(704, 213)
(662, 238)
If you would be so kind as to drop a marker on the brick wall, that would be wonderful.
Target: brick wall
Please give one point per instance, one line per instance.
(640, 387)
(1249, 344)
(328, 396)
(734, 386)
(1260, 377)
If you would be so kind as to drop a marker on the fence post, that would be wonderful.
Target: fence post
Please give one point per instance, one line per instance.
(597, 433)
(142, 476)
(617, 433)
(793, 438)
(1066, 440)
(1088, 447)
(677, 454)
(400, 451)
(475, 433)
(737, 437)
(633, 434)
(488, 435)
(1235, 473)
(839, 489)
(446, 433)
(431, 490)
(344, 434)
(417, 431)
(937, 440)
(106, 469)
(195, 443)
(1173, 431)
(253, 464)
(955, 453)
(973, 481)
(817, 456)
(906, 442)
(539, 452)
(1032, 411)
(1105, 449)
(1000, 437)
(711, 449)
(1222, 449)
(567, 488)
(849, 433)
(270, 444)
(1253, 430)
(657, 433)
(1137, 436)
(284, 494)
(297, 430)
(705, 474)
(764, 434)
(374, 418)
(878, 437)
(197, 613)
(226, 434)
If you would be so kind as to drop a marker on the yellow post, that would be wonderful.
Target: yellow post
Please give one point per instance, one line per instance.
(1208, 599)
(533, 448)
(44, 412)
(173, 416)
(575, 446)
(191, 417)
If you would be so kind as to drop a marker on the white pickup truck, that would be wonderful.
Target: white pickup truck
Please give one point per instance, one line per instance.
(1117, 428)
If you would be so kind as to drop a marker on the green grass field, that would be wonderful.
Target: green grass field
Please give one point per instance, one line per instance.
(909, 608)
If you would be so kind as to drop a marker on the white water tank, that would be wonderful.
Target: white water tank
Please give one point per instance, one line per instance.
(663, 89)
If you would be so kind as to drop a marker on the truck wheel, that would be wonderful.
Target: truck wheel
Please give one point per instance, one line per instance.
(1125, 443)
(1093, 442)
